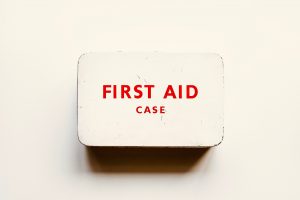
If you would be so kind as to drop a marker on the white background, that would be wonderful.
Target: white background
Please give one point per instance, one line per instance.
(40, 42)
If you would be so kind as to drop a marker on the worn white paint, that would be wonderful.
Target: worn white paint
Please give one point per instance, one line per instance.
(186, 122)
(40, 41)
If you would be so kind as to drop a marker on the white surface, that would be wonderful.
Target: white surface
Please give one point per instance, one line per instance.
(193, 122)
(40, 42)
